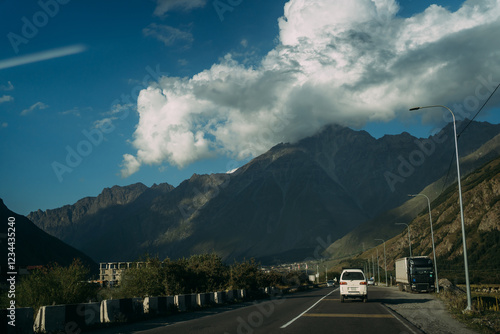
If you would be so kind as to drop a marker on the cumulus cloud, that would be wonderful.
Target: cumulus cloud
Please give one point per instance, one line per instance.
(36, 106)
(347, 62)
(164, 6)
(168, 35)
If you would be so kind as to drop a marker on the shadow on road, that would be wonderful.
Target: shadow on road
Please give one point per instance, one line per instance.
(395, 301)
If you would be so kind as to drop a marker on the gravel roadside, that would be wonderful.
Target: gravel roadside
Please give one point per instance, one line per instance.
(425, 311)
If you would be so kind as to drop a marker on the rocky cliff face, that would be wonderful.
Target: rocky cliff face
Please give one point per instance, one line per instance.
(278, 207)
(57, 221)
(383, 226)
(481, 203)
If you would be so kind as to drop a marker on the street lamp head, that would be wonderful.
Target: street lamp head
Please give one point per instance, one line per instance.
(415, 108)
(409, 195)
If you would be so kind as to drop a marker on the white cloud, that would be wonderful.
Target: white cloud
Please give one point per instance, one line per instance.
(6, 98)
(41, 56)
(163, 6)
(346, 62)
(5, 124)
(168, 35)
(130, 165)
(9, 86)
(36, 106)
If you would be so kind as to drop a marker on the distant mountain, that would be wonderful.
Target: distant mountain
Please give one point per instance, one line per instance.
(481, 203)
(33, 246)
(280, 206)
(383, 226)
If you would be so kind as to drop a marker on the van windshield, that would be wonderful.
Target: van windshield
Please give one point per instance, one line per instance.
(353, 275)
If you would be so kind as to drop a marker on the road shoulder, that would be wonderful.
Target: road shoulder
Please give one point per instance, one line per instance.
(424, 311)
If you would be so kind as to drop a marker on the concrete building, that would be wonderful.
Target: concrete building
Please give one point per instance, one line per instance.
(110, 273)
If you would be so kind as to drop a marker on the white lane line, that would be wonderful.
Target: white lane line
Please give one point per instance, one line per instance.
(401, 321)
(291, 321)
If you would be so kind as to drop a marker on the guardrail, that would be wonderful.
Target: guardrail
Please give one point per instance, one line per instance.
(76, 317)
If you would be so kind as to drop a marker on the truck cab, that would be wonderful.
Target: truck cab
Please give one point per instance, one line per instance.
(415, 274)
(421, 274)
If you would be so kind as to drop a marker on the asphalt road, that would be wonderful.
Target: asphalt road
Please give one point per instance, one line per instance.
(314, 311)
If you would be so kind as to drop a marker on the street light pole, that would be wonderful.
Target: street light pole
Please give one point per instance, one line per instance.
(409, 239)
(378, 267)
(466, 265)
(385, 264)
(432, 237)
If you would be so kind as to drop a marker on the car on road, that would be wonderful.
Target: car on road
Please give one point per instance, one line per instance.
(371, 281)
(353, 284)
(330, 283)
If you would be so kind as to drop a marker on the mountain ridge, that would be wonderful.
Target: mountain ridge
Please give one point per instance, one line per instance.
(275, 206)
(34, 247)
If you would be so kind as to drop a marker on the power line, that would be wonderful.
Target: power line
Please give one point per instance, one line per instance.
(463, 129)
(485, 102)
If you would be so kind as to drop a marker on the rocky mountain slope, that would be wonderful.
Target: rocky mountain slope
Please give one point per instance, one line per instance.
(274, 208)
(383, 226)
(481, 202)
(33, 246)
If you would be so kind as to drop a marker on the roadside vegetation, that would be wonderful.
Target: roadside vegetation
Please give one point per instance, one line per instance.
(485, 314)
(55, 285)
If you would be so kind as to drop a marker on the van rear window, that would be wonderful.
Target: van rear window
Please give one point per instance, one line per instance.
(353, 275)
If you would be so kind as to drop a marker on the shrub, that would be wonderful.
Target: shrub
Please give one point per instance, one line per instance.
(56, 285)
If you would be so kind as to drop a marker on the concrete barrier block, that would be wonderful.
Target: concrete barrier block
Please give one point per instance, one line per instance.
(158, 305)
(193, 301)
(231, 295)
(170, 303)
(83, 315)
(220, 297)
(212, 297)
(122, 310)
(50, 319)
(151, 305)
(204, 299)
(110, 311)
(181, 303)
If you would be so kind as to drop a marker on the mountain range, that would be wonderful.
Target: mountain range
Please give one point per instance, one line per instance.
(276, 208)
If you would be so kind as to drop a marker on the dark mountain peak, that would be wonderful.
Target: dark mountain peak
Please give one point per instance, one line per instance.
(36, 247)
(162, 186)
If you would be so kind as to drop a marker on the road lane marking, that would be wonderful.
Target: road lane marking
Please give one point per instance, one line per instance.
(334, 315)
(291, 321)
(401, 321)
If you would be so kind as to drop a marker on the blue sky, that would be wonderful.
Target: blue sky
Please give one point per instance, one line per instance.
(101, 93)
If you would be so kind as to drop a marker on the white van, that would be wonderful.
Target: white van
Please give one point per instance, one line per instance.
(353, 284)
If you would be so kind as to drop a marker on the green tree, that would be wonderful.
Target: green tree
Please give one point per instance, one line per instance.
(143, 279)
(209, 272)
(56, 285)
(245, 275)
